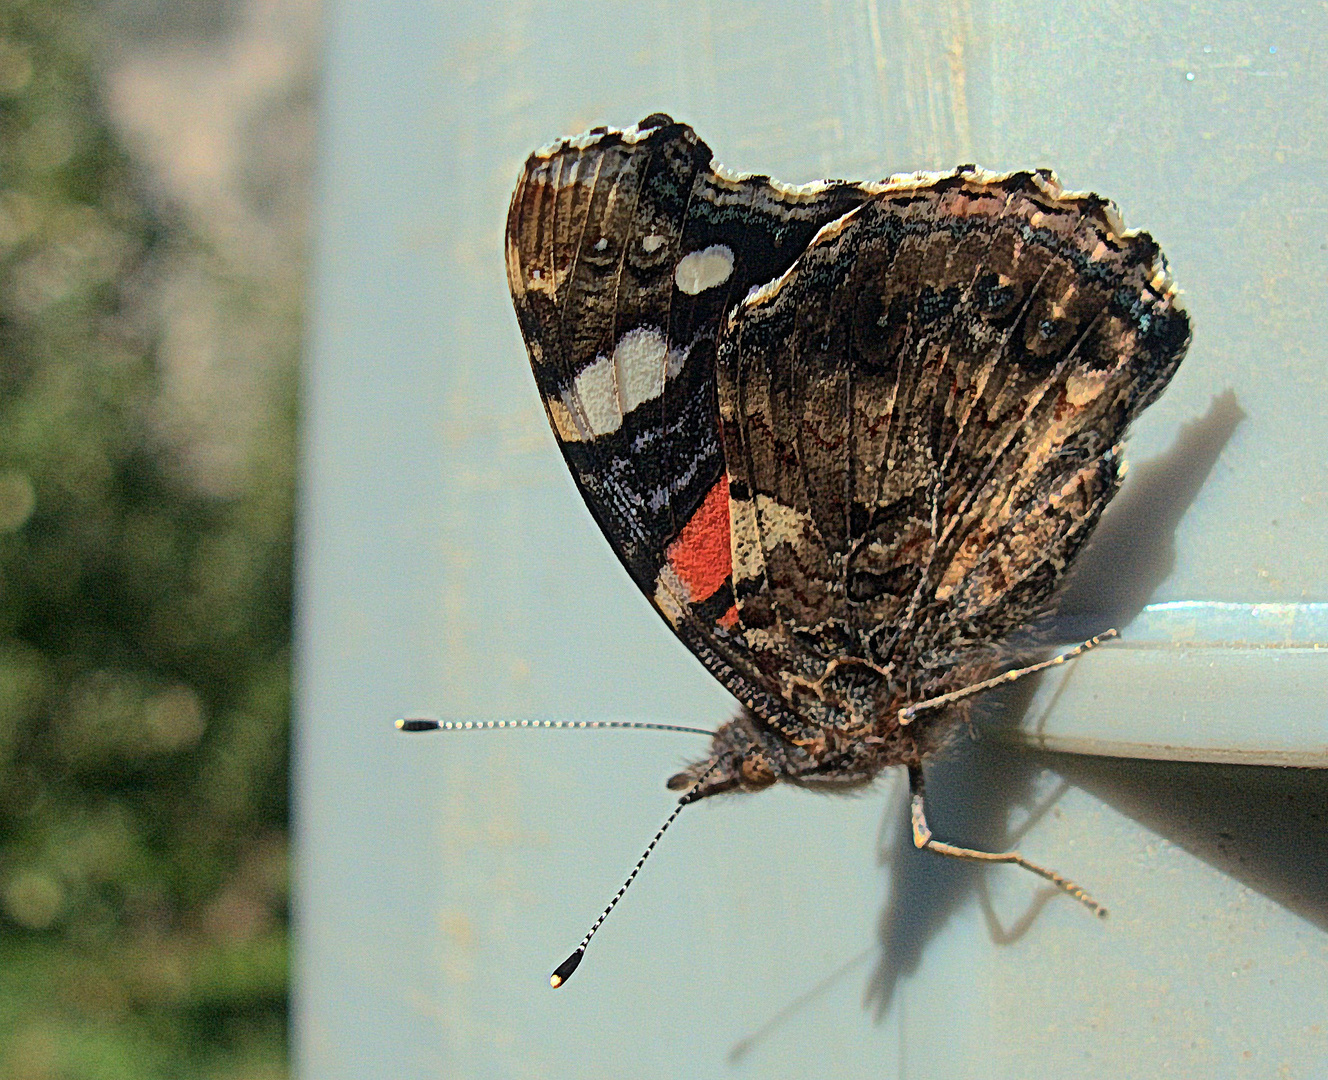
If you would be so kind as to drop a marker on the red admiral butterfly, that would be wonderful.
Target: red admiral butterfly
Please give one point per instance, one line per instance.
(847, 438)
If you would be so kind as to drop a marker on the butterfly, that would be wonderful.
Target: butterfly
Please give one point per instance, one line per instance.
(847, 438)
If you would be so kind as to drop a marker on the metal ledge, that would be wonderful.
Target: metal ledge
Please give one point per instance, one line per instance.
(1194, 681)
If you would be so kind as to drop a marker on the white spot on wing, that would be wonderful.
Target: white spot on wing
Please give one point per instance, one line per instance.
(639, 357)
(613, 386)
(669, 594)
(595, 398)
(704, 269)
(652, 243)
(601, 243)
(541, 284)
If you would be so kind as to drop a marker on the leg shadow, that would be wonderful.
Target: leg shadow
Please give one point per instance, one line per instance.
(974, 789)
(1262, 825)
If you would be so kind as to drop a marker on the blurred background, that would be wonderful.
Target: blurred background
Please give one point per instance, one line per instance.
(155, 158)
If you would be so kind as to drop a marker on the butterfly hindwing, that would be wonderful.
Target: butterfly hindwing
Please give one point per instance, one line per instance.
(922, 421)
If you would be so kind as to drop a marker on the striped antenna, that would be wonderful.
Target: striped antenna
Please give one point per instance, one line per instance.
(565, 969)
(428, 724)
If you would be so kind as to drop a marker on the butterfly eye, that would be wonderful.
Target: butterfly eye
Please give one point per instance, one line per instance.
(756, 771)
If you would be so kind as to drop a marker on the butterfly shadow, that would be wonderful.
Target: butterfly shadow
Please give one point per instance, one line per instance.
(1243, 820)
(975, 786)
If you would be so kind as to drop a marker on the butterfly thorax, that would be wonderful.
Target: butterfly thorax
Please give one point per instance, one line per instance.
(750, 753)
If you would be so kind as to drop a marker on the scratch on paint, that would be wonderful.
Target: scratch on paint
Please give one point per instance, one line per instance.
(927, 65)
(878, 52)
(961, 31)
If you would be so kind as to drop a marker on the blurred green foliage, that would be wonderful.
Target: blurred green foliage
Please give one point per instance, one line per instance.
(144, 631)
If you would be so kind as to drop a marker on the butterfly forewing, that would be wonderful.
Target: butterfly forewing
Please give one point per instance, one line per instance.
(624, 251)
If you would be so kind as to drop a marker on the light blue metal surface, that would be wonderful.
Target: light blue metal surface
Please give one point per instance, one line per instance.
(1195, 680)
(447, 566)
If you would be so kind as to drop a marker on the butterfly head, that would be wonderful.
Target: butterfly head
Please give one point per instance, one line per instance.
(751, 770)
(743, 757)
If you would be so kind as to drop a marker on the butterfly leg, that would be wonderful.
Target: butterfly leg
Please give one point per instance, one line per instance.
(922, 838)
(907, 714)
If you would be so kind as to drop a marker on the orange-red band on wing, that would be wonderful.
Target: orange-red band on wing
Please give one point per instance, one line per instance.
(700, 556)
